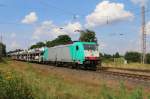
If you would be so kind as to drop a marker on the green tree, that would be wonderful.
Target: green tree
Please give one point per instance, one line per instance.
(148, 58)
(132, 56)
(116, 55)
(60, 40)
(64, 39)
(33, 46)
(38, 45)
(49, 43)
(107, 57)
(2, 50)
(88, 36)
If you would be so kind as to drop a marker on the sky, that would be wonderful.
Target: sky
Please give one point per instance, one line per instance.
(117, 23)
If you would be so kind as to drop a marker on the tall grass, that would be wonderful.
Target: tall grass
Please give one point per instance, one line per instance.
(30, 82)
(13, 87)
(122, 93)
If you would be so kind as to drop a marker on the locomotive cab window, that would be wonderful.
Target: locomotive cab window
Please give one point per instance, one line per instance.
(90, 47)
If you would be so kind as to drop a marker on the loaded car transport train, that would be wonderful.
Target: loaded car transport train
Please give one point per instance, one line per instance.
(83, 54)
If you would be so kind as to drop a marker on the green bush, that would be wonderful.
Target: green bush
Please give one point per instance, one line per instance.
(107, 58)
(148, 58)
(116, 55)
(2, 50)
(13, 87)
(132, 56)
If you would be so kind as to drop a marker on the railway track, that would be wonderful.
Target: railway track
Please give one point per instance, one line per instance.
(121, 75)
(126, 69)
(126, 75)
(129, 76)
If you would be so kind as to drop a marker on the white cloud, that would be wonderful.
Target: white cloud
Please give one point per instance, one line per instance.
(14, 45)
(70, 28)
(107, 11)
(30, 18)
(140, 2)
(43, 29)
(48, 28)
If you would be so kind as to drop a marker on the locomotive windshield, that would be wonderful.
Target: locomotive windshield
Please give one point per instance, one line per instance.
(90, 47)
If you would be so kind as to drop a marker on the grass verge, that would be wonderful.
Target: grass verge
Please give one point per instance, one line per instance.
(120, 64)
(13, 86)
(24, 81)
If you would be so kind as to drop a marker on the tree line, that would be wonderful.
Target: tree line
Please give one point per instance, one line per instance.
(129, 56)
(136, 57)
(86, 36)
(2, 50)
(62, 39)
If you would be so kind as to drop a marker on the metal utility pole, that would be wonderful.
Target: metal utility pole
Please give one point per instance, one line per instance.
(143, 55)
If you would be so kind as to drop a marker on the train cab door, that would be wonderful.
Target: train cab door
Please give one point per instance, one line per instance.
(78, 54)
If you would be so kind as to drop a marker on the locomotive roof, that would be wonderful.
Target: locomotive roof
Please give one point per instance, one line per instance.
(72, 44)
